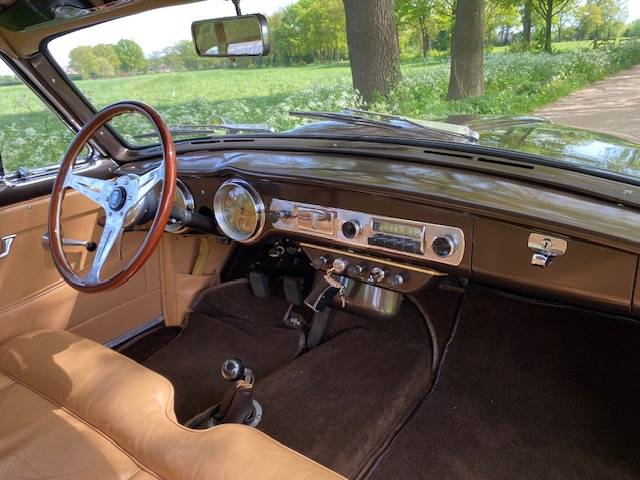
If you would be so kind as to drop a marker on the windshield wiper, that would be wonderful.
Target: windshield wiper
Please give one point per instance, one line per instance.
(393, 122)
(208, 130)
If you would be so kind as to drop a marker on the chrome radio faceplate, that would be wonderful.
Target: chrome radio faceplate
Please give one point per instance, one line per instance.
(437, 243)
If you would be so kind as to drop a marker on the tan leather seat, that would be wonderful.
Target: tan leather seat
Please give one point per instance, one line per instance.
(71, 408)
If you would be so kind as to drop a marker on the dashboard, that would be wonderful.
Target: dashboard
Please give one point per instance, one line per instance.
(402, 225)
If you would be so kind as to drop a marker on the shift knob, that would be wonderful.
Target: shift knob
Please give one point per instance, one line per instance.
(232, 369)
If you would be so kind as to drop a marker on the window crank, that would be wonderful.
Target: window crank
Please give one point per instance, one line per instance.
(68, 242)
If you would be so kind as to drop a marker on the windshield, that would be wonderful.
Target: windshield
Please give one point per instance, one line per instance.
(562, 84)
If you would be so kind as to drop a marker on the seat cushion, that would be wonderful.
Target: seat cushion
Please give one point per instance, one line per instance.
(73, 408)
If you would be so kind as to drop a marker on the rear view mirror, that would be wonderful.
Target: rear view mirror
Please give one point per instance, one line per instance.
(242, 36)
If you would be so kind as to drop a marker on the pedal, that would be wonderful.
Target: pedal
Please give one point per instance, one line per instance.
(293, 290)
(259, 283)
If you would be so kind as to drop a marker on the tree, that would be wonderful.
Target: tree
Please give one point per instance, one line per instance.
(467, 51)
(373, 46)
(633, 29)
(548, 10)
(309, 31)
(108, 61)
(601, 18)
(525, 13)
(131, 57)
(500, 18)
(418, 14)
(83, 61)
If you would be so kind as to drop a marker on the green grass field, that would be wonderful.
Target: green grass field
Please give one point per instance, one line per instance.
(515, 84)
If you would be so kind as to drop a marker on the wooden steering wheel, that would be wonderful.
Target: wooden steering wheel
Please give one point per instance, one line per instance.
(116, 197)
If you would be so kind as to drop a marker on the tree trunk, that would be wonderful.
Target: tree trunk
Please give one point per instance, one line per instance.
(467, 49)
(548, 20)
(526, 24)
(373, 48)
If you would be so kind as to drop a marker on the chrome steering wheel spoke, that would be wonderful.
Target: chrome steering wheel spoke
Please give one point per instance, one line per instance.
(113, 227)
(94, 189)
(148, 181)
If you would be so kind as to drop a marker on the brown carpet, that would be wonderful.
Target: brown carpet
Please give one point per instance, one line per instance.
(255, 334)
(143, 346)
(527, 391)
(339, 403)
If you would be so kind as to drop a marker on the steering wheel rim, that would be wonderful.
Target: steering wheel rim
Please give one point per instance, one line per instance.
(116, 197)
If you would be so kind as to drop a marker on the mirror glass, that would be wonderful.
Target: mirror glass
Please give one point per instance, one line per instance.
(242, 36)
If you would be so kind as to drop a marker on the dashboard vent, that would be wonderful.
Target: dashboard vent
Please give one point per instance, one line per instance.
(448, 154)
(505, 163)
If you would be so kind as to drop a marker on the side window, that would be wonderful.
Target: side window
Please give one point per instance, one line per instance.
(31, 135)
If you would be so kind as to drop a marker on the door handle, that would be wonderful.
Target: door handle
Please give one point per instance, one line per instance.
(6, 243)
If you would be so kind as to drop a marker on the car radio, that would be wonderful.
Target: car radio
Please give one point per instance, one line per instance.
(440, 243)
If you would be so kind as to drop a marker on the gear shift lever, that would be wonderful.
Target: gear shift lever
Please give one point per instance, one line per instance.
(237, 404)
(232, 369)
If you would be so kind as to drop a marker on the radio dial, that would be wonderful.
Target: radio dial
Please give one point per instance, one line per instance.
(351, 229)
(443, 246)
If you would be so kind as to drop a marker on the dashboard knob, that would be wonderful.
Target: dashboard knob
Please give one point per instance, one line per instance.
(376, 276)
(339, 265)
(395, 281)
(443, 246)
(351, 229)
(320, 262)
(354, 270)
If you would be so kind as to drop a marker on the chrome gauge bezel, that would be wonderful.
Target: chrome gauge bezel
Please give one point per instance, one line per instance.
(189, 205)
(258, 205)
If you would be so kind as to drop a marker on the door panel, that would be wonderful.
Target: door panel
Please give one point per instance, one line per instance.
(33, 295)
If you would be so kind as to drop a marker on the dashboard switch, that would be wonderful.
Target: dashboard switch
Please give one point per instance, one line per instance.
(443, 246)
(376, 276)
(395, 281)
(320, 262)
(351, 229)
(354, 270)
(339, 265)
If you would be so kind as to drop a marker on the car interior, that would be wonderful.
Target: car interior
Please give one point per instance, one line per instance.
(305, 307)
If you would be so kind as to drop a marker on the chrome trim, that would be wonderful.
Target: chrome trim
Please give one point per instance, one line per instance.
(545, 248)
(370, 300)
(376, 260)
(134, 332)
(258, 204)
(429, 231)
(189, 205)
(6, 245)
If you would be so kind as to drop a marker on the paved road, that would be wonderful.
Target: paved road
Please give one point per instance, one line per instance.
(611, 105)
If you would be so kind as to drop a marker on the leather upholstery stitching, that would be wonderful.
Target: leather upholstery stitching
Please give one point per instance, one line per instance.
(82, 420)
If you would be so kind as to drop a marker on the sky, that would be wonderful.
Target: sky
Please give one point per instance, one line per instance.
(161, 28)
(156, 29)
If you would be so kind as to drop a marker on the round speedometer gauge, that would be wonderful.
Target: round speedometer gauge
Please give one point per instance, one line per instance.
(239, 210)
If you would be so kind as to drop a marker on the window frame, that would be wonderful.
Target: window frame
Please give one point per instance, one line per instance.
(37, 172)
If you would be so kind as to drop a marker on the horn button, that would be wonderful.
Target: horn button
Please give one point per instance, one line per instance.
(117, 198)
